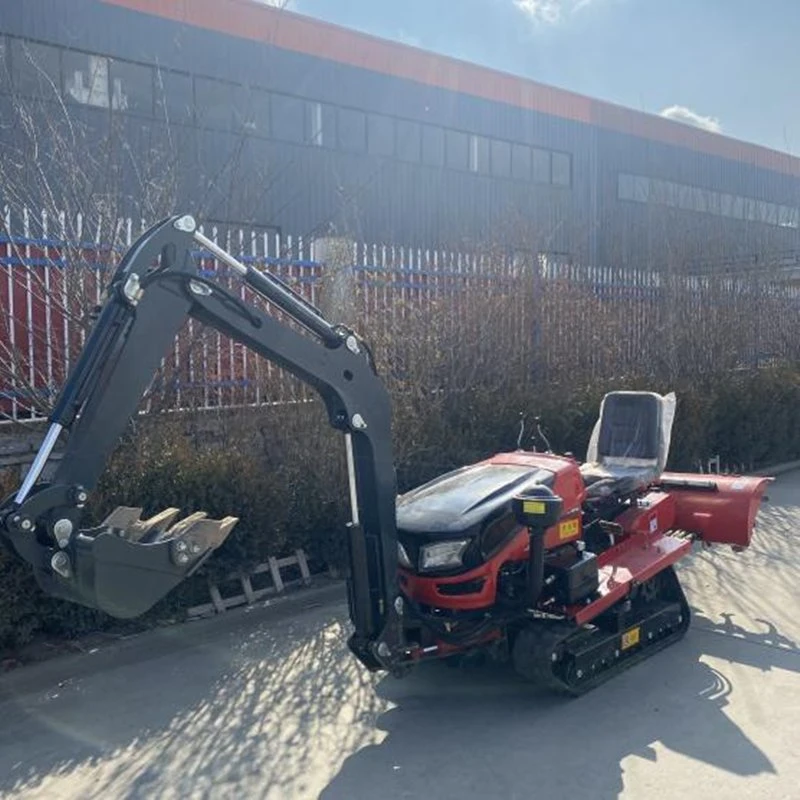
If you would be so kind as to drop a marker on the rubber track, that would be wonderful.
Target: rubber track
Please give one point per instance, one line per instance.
(556, 635)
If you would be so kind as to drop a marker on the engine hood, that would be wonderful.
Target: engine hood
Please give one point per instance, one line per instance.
(461, 499)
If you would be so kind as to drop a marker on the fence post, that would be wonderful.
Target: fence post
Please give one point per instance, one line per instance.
(337, 297)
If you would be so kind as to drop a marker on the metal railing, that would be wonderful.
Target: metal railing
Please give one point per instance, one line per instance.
(53, 271)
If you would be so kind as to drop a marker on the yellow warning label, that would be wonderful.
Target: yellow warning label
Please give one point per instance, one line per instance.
(630, 638)
(568, 529)
(533, 507)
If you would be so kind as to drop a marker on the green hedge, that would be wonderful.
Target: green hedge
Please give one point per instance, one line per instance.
(282, 472)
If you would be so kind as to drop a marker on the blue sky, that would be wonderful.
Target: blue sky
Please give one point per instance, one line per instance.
(731, 65)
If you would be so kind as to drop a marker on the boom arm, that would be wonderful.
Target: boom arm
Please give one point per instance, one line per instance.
(154, 289)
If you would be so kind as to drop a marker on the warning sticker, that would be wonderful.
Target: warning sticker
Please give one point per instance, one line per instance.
(631, 638)
(568, 529)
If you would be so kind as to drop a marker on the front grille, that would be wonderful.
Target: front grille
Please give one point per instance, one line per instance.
(465, 587)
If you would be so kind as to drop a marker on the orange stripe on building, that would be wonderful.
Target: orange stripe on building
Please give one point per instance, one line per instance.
(289, 31)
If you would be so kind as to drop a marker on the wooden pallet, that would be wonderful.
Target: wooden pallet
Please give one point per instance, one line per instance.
(248, 595)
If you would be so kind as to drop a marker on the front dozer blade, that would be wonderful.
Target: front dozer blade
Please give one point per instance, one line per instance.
(126, 565)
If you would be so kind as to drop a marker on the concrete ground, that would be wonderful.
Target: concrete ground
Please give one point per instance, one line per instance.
(268, 704)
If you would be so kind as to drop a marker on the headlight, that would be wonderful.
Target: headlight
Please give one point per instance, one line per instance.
(442, 555)
(402, 557)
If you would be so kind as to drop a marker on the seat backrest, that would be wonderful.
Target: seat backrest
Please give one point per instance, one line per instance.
(634, 429)
(630, 427)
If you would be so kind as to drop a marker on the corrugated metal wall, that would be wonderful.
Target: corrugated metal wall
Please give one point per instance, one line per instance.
(447, 183)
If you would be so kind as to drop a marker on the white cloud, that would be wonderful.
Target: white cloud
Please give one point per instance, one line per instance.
(278, 3)
(550, 11)
(689, 117)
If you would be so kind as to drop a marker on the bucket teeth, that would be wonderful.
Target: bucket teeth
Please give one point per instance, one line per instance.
(181, 527)
(189, 539)
(192, 539)
(127, 523)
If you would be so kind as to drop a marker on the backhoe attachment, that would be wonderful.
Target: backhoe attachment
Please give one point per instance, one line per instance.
(127, 564)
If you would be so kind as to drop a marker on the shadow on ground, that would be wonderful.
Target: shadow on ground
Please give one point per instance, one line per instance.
(481, 737)
(288, 713)
(283, 711)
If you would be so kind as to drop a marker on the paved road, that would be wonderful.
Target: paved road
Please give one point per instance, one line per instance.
(277, 709)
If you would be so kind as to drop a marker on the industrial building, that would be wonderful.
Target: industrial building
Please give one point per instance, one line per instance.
(279, 121)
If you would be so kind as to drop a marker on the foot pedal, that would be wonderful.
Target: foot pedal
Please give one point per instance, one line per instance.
(126, 565)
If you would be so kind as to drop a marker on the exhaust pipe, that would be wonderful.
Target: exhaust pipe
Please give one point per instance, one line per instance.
(538, 509)
(536, 564)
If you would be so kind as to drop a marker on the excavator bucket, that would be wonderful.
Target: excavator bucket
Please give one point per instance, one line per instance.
(127, 564)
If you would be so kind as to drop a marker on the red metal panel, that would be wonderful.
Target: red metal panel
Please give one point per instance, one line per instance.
(633, 564)
(725, 515)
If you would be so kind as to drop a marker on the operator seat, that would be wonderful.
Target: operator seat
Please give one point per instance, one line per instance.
(630, 443)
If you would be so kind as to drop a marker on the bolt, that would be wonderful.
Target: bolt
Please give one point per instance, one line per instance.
(181, 546)
(579, 673)
(199, 288)
(182, 558)
(61, 564)
(383, 650)
(26, 524)
(82, 497)
(680, 618)
(17, 519)
(352, 345)
(62, 530)
(616, 654)
(195, 548)
(398, 606)
(650, 635)
(554, 657)
(186, 223)
(358, 422)
(132, 289)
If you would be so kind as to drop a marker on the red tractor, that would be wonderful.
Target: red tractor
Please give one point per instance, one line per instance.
(565, 567)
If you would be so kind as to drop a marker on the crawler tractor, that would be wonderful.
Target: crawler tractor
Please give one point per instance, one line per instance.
(566, 568)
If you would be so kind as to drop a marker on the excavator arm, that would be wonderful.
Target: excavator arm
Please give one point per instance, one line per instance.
(124, 566)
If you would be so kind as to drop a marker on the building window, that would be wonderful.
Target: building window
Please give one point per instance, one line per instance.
(409, 140)
(258, 113)
(131, 88)
(35, 69)
(352, 130)
(788, 217)
(772, 214)
(320, 125)
(562, 169)
(315, 125)
(541, 166)
(174, 97)
(86, 79)
(641, 189)
(432, 146)
(215, 101)
(479, 154)
(380, 135)
(288, 120)
(501, 159)
(457, 149)
(5, 71)
(521, 162)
